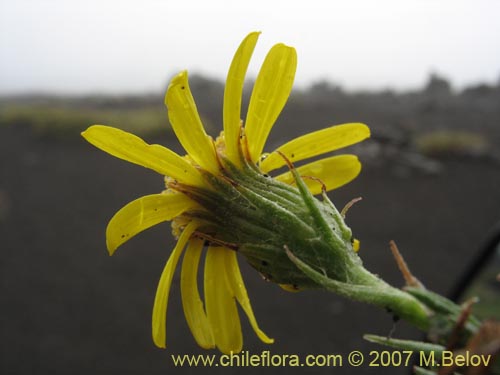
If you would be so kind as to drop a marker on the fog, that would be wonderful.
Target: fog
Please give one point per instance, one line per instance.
(116, 46)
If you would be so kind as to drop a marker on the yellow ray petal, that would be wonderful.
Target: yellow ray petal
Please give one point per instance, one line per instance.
(161, 298)
(316, 143)
(142, 214)
(334, 172)
(239, 290)
(187, 125)
(356, 245)
(233, 93)
(289, 288)
(221, 306)
(269, 95)
(133, 149)
(191, 302)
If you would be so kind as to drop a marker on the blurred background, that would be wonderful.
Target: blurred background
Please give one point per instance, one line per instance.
(424, 75)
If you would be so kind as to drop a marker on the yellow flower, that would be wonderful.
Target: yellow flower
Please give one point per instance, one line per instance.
(199, 186)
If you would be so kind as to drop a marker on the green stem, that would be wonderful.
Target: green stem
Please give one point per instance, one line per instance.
(373, 291)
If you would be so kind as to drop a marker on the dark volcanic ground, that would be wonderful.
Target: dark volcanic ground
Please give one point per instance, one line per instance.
(68, 308)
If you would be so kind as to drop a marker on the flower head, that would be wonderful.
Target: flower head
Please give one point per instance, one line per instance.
(220, 197)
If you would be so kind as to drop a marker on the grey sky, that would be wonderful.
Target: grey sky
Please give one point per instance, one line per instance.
(123, 45)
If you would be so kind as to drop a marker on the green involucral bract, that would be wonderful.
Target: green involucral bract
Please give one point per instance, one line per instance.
(291, 237)
(259, 216)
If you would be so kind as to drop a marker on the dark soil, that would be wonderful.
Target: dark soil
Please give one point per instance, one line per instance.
(68, 308)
